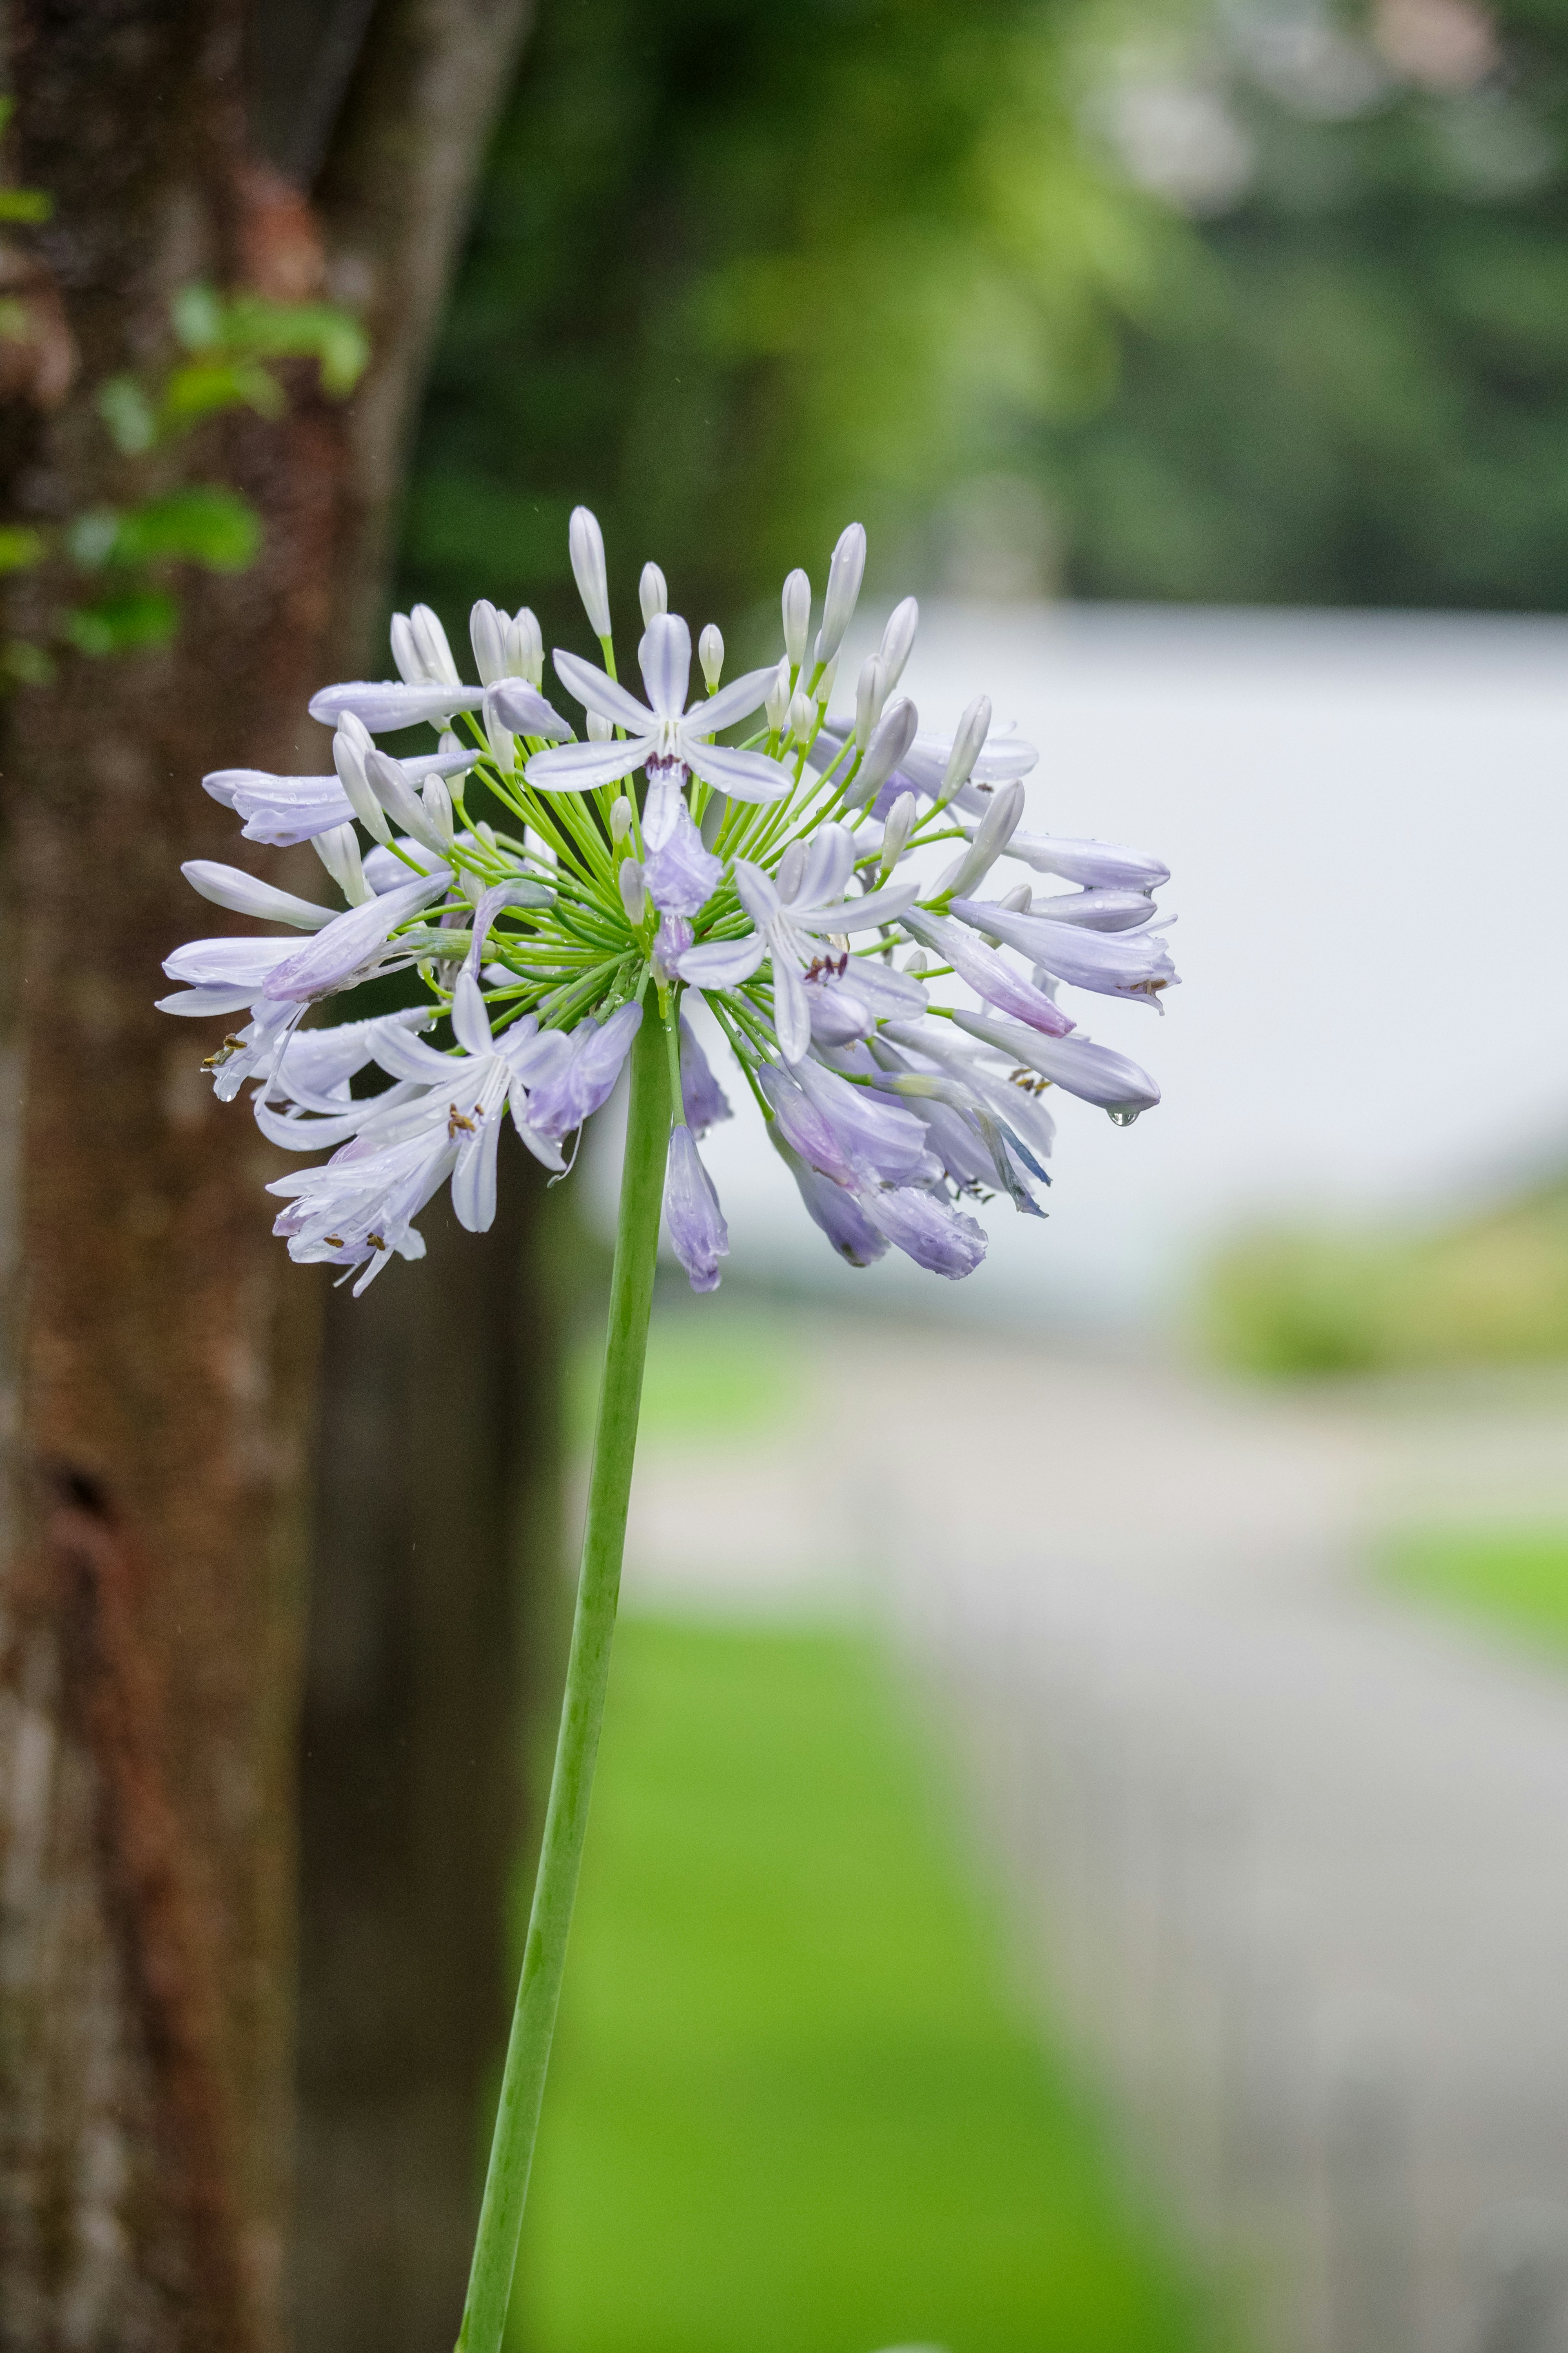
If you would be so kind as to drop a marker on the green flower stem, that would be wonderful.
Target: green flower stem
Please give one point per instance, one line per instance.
(583, 1708)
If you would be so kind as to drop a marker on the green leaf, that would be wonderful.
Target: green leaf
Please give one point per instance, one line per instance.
(198, 315)
(128, 413)
(319, 331)
(20, 549)
(206, 524)
(91, 537)
(204, 386)
(26, 205)
(137, 617)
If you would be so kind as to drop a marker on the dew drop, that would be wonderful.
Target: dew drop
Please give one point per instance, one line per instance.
(1122, 1118)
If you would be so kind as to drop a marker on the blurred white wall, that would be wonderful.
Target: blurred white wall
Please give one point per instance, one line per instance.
(1367, 822)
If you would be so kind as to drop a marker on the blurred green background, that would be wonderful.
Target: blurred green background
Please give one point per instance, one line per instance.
(1262, 301)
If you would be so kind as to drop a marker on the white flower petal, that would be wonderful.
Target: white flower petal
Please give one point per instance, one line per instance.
(470, 1022)
(722, 964)
(228, 886)
(736, 701)
(664, 657)
(744, 776)
(857, 914)
(581, 767)
(596, 690)
(384, 704)
(757, 894)
(792, 1009)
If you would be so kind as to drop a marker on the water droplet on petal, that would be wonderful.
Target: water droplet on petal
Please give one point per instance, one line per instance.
(1122, 1118)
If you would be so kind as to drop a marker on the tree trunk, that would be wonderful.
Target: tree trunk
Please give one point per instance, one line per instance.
(152, 1590)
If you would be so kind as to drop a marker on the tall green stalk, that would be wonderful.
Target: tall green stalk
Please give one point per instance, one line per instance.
(583, 1708)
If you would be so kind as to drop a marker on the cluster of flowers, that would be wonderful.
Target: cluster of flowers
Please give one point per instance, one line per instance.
(810, 883)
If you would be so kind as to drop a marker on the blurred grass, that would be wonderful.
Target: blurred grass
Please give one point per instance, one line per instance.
(792, 2110)
(732, 1369)
(1517, 1577)
(1492, 1289)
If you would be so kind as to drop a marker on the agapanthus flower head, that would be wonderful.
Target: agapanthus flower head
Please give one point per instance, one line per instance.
(832, 888)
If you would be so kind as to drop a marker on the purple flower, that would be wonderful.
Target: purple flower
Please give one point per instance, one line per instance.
(829, 1206)
(666, 732)
(681, 876)
(586, 1077)
(693, 1219)
(703, 1098)
(987, 975)
(1117, 964)
(942, 1240)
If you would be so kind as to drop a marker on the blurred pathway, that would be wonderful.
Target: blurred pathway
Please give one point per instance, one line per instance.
(1294, 1857)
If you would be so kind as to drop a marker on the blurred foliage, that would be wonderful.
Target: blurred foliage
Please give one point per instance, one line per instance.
(1353, 389)
(1491, 1290)
(737, 277)
(793, 2106)
(1515, 1576)
(233, 344)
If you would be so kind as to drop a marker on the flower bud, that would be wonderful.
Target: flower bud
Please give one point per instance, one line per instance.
(711, 654)
(802, 717)
(896, 831)
(797, 617)
(870, 693)
(600, 729)
(1018, 902)
(525, 647)
(488, 635)
(430, 638)
(916, 962)
(992, 834)
(338, 850)
(398, 797)
(898, 638)
(823, 691)
(634, 893)
(894, 733)
(500, 739)
(778, 700)
(967, 745)
(405, 653)
(621, 819)
(585, 543)
(350, 744)
(843, 578)
(437, 803)
(652, 593)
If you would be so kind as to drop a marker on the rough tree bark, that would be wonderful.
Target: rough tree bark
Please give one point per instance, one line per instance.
(153, 1586)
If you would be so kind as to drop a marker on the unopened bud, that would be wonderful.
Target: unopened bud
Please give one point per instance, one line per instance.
(586, 543)
(894, 733)
(802, 717)
(405, 653)
(435, 652)
(870, 694)
(916, 963)
(778, 698)
(488, 635)
(896, 831)
(621, 819)
(711, 654)
(652, 593)
(634, 893)
(525, 647)
(843, 578)
(437, 803)
(600, 729)
(1018, 902)
(350, 744)
(967, 745)
(898, 638)
(823, 690)
(797, 617)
